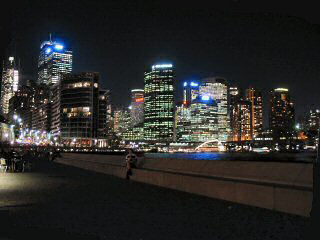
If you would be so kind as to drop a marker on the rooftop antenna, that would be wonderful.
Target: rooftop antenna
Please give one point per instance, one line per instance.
(50, 37)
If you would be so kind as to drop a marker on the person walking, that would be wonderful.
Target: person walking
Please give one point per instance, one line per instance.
(131, 162)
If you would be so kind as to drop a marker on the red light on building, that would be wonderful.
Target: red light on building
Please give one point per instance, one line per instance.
(139, 99)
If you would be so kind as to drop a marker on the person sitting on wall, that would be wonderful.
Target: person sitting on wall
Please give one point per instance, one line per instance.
(131, 162)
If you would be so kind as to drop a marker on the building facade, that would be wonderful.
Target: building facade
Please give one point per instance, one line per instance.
(254, 96)
(281, 114)
(104, 124)
(75, 109)
(190, 92)
(217, 89)
(9, 85)
(159, 103)
(313, 120)
(241, 121)
(55, 59)
(198, 122)
(22, 105)
(137, 107)
(121, 121)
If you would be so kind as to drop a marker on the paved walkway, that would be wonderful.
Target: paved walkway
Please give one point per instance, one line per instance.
(62, 202)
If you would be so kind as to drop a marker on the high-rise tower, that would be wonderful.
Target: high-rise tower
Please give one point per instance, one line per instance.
(137, 105)
(255, 97)
(159, 106)
(10, 81)
(217, 89)
(54, 60)
(281, 118)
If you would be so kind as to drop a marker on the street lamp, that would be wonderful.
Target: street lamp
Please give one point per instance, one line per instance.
(15, 116)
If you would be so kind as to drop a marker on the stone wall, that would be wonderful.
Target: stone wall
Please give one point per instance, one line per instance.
(285, 187)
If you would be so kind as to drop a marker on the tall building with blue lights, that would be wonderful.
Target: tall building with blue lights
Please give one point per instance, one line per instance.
(159, 103)
(217, 89)
(190, 92)
(55, 59)
(197, 122)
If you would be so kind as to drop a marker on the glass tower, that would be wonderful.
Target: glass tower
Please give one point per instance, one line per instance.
(197, 123)
(217, 89)
(159, 106)
(54, 60)
(190, 92)
(137, 105)
(10, 81)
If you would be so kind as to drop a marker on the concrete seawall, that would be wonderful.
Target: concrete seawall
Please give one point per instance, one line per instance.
(285, 187)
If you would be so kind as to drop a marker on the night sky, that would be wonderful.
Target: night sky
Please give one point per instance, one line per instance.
(250, 43)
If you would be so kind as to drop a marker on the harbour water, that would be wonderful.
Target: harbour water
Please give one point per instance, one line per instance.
(274, 157)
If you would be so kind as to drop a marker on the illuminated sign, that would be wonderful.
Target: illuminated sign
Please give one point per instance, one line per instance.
(162, 66)
(137, 90)
(193, 84)
(205, 98)
(185, 84)
(139, 99)
(58, 46)
(281, 90)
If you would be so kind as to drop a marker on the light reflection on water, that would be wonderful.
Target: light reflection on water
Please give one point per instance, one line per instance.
(291, 157)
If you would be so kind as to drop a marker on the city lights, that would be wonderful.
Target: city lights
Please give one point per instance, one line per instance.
(162, 66)
(205, 98)
(58, 46)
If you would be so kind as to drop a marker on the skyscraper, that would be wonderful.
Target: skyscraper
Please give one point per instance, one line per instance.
(281, 115)
(121, 122)
(255, 97)
(104, 125)
(54, 60)
(190, 92)
(217, 89)
(159, 106)
(241, 121)
(197, 123)
(10, 81)
(137, 106)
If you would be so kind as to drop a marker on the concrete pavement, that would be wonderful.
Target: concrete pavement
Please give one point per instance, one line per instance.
(64, 202)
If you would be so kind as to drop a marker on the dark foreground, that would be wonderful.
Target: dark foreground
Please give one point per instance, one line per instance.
(61, 202)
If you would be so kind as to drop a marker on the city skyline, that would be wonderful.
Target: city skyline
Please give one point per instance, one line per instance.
(275, 50)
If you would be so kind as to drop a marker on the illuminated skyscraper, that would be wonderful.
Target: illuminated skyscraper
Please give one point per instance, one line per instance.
(159, 108)
(217, 89)
(241, 121)
(137, 106)
(197, 123)
(190, 92)
(255, 97)
(54, 60)
(122, 121)
(281, 115)
(10, 81)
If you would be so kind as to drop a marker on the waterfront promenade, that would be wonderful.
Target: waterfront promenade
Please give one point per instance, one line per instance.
(63, 202)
